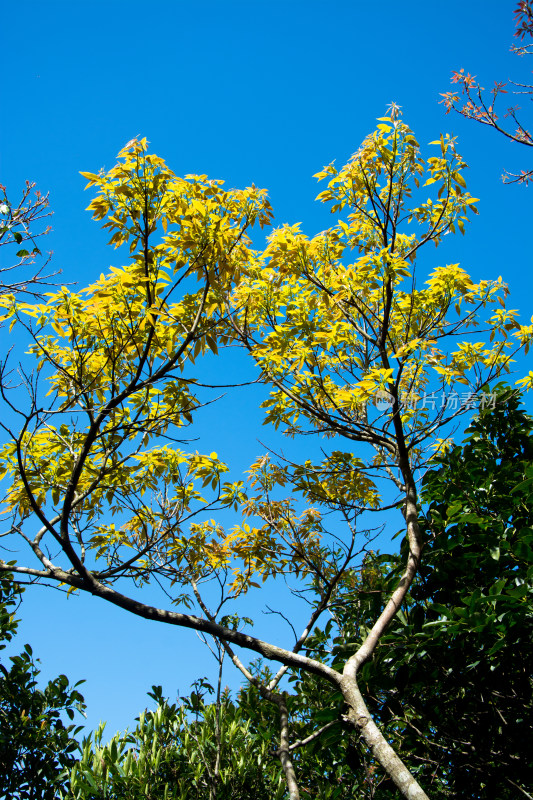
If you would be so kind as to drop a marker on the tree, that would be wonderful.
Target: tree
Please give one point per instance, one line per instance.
(35, 743)
(473, 103)
(329, 337)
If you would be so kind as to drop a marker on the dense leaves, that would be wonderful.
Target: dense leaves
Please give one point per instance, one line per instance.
(194, 749)
(37, 735)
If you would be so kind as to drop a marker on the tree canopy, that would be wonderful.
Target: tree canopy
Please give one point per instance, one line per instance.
(357, 342)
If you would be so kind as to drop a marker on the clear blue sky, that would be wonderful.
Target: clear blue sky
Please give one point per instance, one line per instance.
(249, 91)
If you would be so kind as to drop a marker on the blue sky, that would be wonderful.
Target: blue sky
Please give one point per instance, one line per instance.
(262, 92)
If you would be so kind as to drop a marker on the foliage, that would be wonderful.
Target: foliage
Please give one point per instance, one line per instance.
(334, 337)
(196, 748)
(335, 324)
(117, 350)
(35, 743)
(474, 104)
(173, 752)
